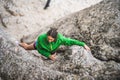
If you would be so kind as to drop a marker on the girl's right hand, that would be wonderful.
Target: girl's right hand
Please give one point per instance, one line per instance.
(53, 57)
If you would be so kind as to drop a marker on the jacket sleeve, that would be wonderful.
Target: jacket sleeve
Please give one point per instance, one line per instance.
(69, 42)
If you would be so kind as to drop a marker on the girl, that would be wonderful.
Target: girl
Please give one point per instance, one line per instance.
(49, 42)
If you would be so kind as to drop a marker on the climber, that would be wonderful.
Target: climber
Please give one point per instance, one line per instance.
(49, 42)
(47, 4)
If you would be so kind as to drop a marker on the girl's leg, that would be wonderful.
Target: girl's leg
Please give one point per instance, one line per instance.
(27, 46)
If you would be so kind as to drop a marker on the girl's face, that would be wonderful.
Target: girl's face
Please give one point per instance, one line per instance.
(50, 39)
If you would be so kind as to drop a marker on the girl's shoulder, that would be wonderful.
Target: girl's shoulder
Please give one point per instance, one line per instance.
(60, 36)
(42, 36)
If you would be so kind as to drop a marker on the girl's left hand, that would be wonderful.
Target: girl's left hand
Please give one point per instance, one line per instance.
(86, 47)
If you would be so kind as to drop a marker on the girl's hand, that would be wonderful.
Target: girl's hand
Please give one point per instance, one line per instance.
(86, 47)
(53, 57)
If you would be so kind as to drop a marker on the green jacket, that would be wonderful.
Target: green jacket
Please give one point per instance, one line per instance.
(45, 48)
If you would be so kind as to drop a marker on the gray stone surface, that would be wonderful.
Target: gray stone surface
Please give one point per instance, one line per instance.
(18, 64)
(98, 26)
(27, 16)
(74, 63)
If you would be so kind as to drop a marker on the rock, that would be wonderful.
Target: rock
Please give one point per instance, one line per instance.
(87, 78)
(21, 65)
(98, 26)
(75, 63)
(31, 14)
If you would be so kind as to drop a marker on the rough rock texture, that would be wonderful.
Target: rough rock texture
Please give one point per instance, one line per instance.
(73, 64)
(18, 64)
(98, 26)
(101, 29)
(28, 16)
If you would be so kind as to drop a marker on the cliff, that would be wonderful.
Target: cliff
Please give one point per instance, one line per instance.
(97, 25)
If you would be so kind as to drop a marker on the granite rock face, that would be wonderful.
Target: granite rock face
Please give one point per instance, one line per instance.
(18, 64)
(98, 26)
(28, 16)
(74, 63)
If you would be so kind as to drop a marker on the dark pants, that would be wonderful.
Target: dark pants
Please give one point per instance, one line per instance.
(47, 4)
(34, 45)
